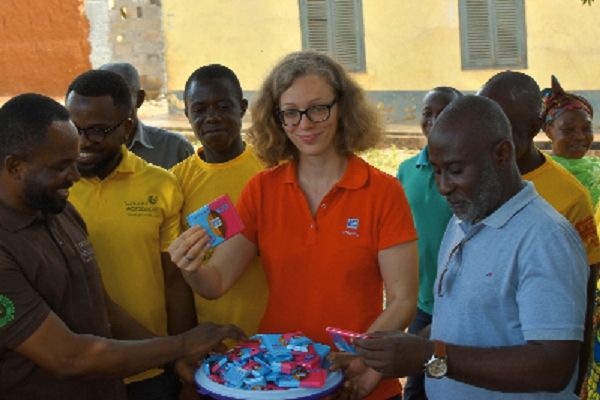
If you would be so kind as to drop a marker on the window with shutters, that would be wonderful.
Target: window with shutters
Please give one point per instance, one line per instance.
(334, 27)
(492, 34)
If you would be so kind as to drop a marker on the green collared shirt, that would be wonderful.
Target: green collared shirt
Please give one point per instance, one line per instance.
(430, 214)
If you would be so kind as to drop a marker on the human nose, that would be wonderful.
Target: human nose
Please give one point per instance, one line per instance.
(444, 183)
(212, 113)
(581, 134)
(73, 173)
(305, 121)
(84, 141)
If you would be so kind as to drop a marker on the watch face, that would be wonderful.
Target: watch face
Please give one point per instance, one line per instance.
(437, 368)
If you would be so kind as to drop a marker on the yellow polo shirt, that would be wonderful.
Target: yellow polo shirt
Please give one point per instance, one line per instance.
(201, 182)
(131, 216)
(570, 198)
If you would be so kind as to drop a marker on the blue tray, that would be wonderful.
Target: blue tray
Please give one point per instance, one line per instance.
(217, 391)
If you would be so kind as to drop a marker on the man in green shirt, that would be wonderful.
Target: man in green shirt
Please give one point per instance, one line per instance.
(431, 215)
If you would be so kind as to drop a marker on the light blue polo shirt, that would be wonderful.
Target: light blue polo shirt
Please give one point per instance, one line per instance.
(431, 214)
(519, 275)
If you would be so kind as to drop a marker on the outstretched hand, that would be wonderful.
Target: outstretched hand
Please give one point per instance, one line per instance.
(360, 380)
(207, 337)
(189, 249)
(394, 353)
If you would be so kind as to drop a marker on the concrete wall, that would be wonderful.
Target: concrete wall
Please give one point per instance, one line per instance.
(43, 45)
(411, 46)
(98, 16)
(130, 31)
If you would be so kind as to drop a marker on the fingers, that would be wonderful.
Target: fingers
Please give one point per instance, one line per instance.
(351, 391)
(377, 365)
(233, 332)
(185, 369)
(223, 332)
(187, 251)
(340, 360)
(371, 343)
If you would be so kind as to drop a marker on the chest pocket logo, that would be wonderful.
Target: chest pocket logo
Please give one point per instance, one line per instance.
(7, 311)
(352, 227)
(143, 208)
(86, 251)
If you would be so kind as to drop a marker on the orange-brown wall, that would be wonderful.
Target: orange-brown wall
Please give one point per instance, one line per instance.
(43, 45)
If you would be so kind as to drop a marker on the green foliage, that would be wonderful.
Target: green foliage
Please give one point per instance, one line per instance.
(588, 2)
(388, 158)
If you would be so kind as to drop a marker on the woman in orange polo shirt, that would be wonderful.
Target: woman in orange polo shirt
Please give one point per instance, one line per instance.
(332, 231)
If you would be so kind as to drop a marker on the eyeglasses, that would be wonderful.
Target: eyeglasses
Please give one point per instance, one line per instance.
(97, 134)
(318, 113)
(455, 250)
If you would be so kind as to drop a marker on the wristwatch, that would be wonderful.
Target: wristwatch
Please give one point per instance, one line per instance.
(437, 366)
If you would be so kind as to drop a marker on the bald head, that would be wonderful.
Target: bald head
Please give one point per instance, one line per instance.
(132, 79)
(471, 152)
(519, 96)
(517, 87)
(473, 119)
(127, 72)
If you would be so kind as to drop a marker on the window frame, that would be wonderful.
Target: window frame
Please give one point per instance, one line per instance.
(359, 64)
(494, 40)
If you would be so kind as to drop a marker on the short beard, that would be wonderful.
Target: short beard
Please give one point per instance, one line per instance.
(490, 191)
(39, 200)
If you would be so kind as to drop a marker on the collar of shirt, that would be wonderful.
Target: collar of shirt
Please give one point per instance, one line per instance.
(355, 176)
(140, 136)
(502, 215)
(14, 220)
(423, 158)
(126, 165)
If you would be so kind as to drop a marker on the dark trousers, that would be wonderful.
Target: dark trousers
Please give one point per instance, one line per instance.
(165, 386)
(414, 389)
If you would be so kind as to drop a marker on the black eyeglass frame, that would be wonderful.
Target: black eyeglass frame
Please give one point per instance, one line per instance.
(280, 113)
(98, 135)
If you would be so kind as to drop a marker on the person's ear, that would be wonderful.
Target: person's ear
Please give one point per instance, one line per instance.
(536, 126)
(503, 152)
(141, 96)
(128, 129)
(14, 165)
(244, 107)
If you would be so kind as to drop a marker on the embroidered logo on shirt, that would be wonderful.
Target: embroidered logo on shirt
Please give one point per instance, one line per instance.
(352, 223)
(352, 227)
(143, 208)
(86, 251)
(7, 311)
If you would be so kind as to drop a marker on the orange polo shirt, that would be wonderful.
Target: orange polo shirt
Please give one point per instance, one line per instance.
(323, 270)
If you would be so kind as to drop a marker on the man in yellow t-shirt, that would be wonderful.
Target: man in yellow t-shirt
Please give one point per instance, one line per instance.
(214, 106)
(131, 209)
(519, 97)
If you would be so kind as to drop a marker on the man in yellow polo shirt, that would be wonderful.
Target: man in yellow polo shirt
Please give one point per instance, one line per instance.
(131, 209)
(214, 106)
(519, 97)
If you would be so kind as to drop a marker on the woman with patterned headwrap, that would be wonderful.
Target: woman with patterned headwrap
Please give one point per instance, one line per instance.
(568, 123)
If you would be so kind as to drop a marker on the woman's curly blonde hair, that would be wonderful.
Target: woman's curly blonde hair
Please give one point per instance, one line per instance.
(359, 126)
